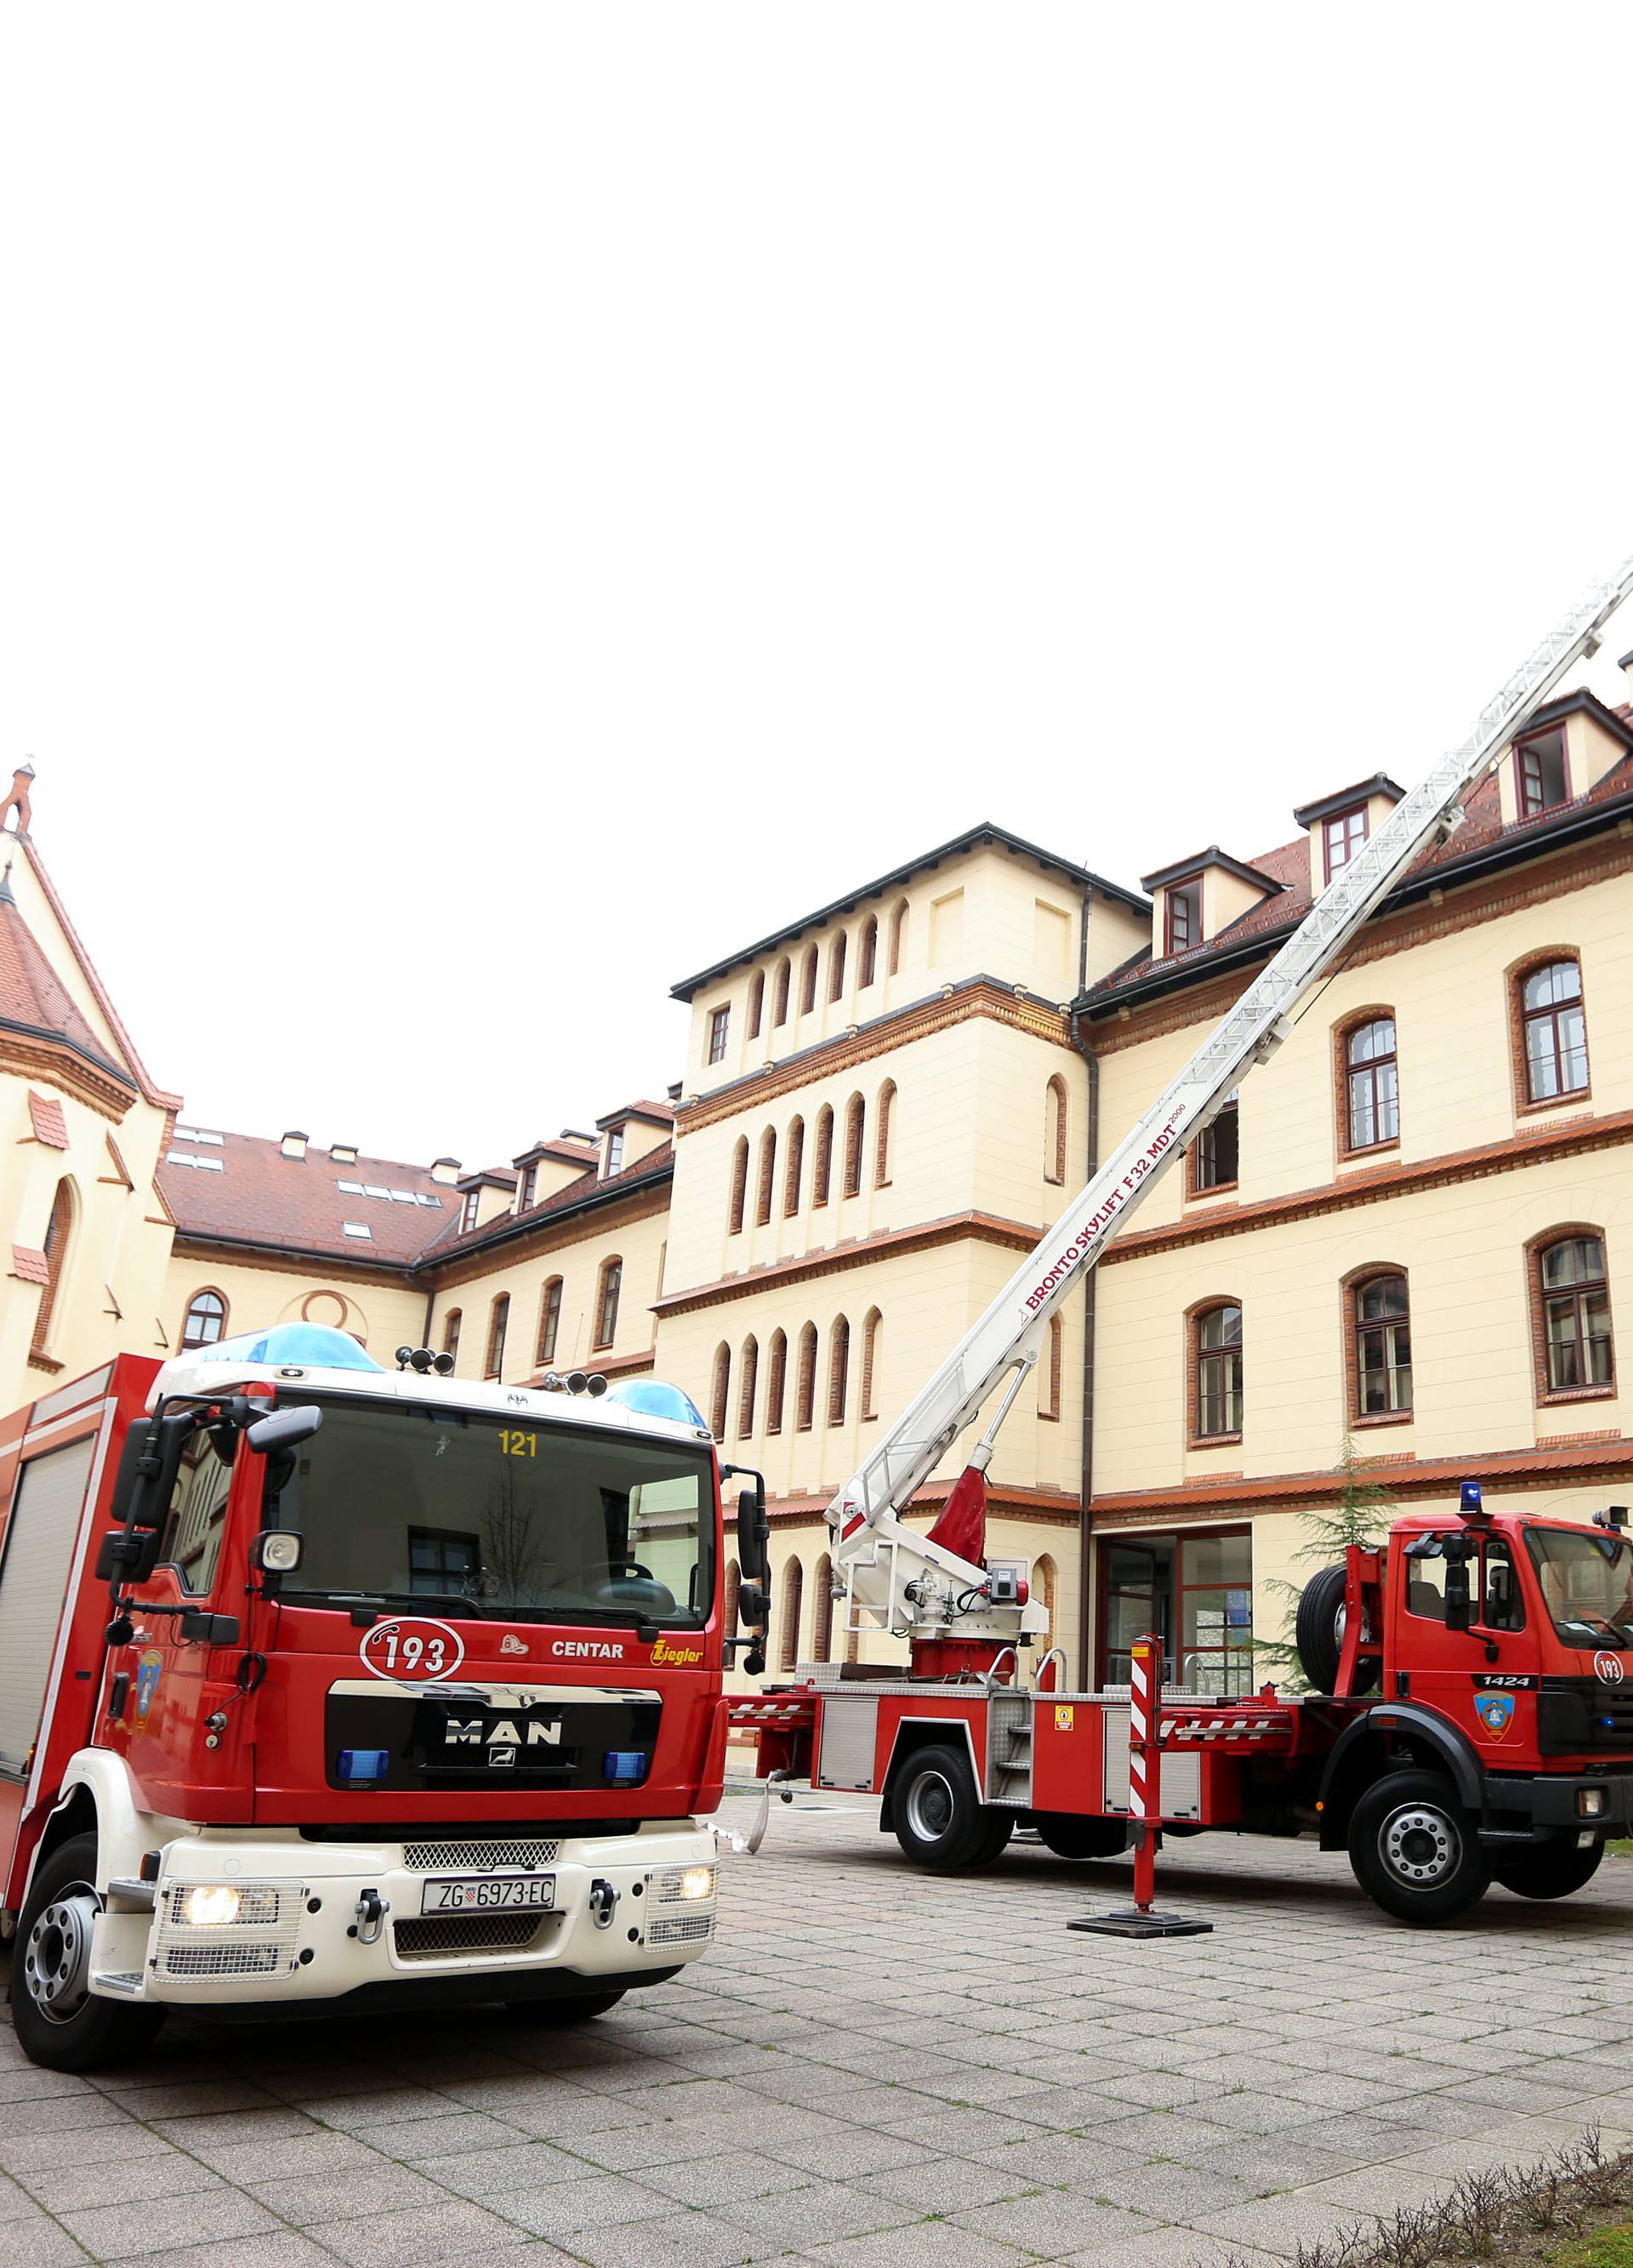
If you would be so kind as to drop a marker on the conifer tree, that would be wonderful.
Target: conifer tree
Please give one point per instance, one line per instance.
(1360, 1514)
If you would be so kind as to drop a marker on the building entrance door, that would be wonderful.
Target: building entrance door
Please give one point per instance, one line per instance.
(1196, 1593)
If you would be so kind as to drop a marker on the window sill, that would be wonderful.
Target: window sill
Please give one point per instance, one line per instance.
(1578, 1096)
(1215, 1441)
(1371, 1423)
(1213, 1195)
(37, 1360)
(1558, 1397)
(1367, 1152)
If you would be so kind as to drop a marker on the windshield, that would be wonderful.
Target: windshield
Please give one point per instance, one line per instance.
(482, 1515)
(1586, 1577)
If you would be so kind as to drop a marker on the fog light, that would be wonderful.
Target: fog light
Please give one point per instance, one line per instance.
(211, 1905)
(697, 1883)
(280, 1552)
(1590, 1803)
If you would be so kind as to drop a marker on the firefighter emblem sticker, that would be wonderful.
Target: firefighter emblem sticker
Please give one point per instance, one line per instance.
(1609, 1669)
(1496, 1713)
(148, 1671)
(411, 1646)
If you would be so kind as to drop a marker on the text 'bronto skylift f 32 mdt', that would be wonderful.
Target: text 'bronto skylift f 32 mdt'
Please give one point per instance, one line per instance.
(1475, 1718)
(331, 1685)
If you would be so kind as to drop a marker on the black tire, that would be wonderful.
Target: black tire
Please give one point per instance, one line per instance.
(1069, 1836)
(1319, 1632)
(939, 1821)
(1547, 1870)
(577, 2009)
(59, 2024)
(1414, 1850)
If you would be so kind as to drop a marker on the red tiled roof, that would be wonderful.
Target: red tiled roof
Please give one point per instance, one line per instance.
(655, 1165)
(32, 1266)
(133, 1068)
(51, 1127)
(33, 999)
(260, 1196)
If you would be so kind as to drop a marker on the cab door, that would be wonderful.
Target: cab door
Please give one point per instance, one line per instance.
(1484, 1679)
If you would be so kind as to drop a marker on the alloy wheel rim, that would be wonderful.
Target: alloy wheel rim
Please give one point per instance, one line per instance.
(930, 1805)
(56, 1960)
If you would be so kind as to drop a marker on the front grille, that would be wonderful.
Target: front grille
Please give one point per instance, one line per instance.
(434, 1937)
(1577, 1714)
(245, 1960)
(681, 1929)
(453, 1857)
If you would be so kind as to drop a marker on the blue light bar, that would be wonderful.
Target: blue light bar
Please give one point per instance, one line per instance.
(357, 1766)
(650, 1397)
(623, 1767)
(307, 1346)
(1470, 1498)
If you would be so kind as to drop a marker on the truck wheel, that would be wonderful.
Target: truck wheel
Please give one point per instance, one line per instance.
(577, 2010)
(939, 1821)
(1415, 1850)
(1319, 1632)
(1069, 1836)
(60, 2024)
(1547, 1870)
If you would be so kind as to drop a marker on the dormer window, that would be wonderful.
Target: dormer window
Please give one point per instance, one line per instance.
(1540, 774)
(468, 1218)
(614, 1151)
(530, 1187)
(1341, 838)
(1183, 917)
(718, 1021)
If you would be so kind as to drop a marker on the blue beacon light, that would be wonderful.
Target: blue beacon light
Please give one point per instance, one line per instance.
(306, 1346)
(650, 1397)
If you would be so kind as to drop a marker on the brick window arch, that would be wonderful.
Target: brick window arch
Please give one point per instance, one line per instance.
(805, 1384)
(808, 981)
(58, 1236)
(776, 1381)
(780, 992)
(205, 1319)
(1368, 1074)
(839, 1368)
(757, 1003)
(1378, 1324)
(768, 1176)
(1214, 1364)
(794, 1167)
(550, 1318)
(822, 1163)
(873, 1329)
(788, 1637)
(855, 1128)
(899, 935)
(1573, 1344)
(748, 1382)
(499, 1323)
(720, 1391)
(822, 1610)
(1054, 1130)
(451, 1323)
(868, 953)
(836, 966)
(1050, 1366)
(1550, 1023)
(739, 1186)
(608, 1290)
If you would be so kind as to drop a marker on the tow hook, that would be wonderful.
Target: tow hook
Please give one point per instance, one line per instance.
(603, 1903)
(371, 1911)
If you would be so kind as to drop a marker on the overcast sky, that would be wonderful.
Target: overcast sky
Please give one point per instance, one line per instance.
(502, 506)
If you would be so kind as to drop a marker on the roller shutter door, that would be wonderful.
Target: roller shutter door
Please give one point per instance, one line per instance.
(33, 1577)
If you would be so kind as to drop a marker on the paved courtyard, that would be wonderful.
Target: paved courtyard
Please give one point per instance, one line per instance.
(873, 2070)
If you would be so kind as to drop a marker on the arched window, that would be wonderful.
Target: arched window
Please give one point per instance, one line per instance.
(768, 1174)
(59, 1229)
(808, 981)
(611, 1284)
(793, 1168)
(499, 1319)
(1055, 1131)
(1380, 1325)
(856, 1122)
(1216, 1372)
(1049, 1368)
(1572, 1291)
(757, 1003)
(835, 967)
(779, 993)
(720, 1391)
(805, 1389)
(839, 1369)
(776, 1381)
(793, 1584)
(884, 1112)
(1371, 1097)
(822, 1164)
(550, 1320)
(871, 1349)
(728, 1602)
(450, 1332)
(822, 1610)
(205, 1319)
(748, 1380)
(867, 953)
(1554, 1031)
(899, 935)
(739, 1185)
(1043, 1590)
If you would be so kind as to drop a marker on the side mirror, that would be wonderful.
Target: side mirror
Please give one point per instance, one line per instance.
(202, 1629)
(130, 1554)
(148, 1467)
(283, 1428)
(1459, 1605)
(753, 1538)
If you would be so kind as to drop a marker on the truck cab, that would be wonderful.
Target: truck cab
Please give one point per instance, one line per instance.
(370, 1688)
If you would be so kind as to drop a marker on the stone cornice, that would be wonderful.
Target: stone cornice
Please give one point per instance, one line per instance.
(885, 1244)
(30, 1055)
(288, 1260)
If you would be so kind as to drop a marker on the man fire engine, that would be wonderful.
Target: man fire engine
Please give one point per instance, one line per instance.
(322, 1684)
(1497, 1742)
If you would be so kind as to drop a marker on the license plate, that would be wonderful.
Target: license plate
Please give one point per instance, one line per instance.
(487, 1893)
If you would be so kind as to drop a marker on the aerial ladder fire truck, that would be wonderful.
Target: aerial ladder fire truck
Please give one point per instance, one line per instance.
(1472, 1719)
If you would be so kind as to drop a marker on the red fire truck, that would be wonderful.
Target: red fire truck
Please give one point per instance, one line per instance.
(326, 1686)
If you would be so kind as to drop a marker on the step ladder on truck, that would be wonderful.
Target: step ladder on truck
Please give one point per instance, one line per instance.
(1469, 1720)
(325, 1687)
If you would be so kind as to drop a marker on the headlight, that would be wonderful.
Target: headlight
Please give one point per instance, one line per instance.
(211, 1905)
(697, 1883)
(1590, 1803)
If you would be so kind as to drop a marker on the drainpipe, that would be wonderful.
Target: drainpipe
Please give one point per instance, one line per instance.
(430, 1301)
(1091, 1289)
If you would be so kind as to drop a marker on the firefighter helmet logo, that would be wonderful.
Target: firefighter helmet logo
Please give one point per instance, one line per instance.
(1609, 1669)
(148, 1671)
(1496, 1713)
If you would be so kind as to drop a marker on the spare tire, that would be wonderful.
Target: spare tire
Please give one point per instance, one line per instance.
(1319, 1632)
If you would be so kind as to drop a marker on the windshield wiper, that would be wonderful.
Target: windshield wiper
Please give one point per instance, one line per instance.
(455, 1599)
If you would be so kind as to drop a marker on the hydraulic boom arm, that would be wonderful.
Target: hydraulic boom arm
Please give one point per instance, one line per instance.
(914, 1584)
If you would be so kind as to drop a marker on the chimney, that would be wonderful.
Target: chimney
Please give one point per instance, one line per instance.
(444, 1170)
(343, 1153)
(294, 1146)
